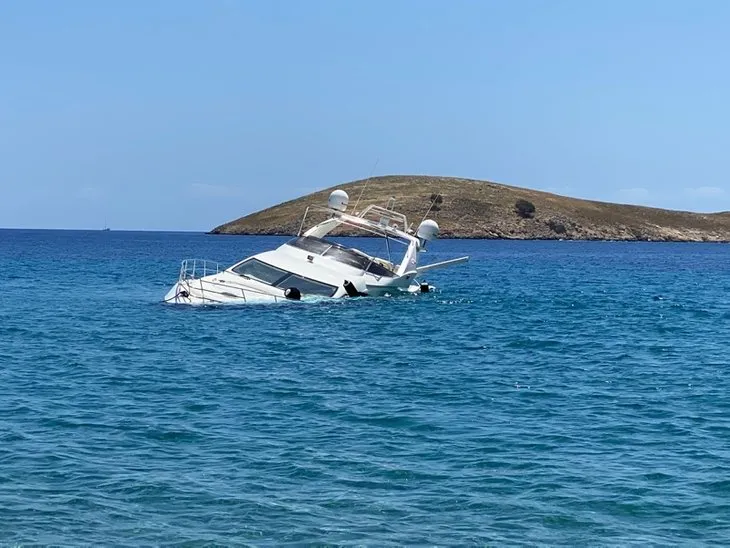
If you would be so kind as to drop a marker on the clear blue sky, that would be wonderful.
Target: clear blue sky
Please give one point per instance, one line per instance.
(181, 115)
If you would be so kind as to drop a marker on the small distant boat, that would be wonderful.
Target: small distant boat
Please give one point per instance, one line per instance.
(310, 265)
(105, 229)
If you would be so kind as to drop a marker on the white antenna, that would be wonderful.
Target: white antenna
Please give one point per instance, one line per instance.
(366, 184)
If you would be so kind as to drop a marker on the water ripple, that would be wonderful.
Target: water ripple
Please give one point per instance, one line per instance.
(549, 393)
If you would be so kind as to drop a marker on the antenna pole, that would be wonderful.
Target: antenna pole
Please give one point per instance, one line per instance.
(431, 206)
(301, 226)
(366, 184)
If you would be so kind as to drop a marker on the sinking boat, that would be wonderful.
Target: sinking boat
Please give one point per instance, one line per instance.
(310, 265)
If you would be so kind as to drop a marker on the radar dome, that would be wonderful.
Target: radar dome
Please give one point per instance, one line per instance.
(428, 230)
(338, 200)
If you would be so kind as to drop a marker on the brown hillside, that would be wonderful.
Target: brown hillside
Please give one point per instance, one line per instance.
(482, 209)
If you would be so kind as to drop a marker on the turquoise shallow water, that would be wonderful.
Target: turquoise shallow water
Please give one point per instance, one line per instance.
(551, 393)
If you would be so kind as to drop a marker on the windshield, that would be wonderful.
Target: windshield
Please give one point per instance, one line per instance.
(341, 254)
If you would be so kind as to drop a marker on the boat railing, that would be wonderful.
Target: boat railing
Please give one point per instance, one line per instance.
(390, 223)
(191, 269)
(384, 216)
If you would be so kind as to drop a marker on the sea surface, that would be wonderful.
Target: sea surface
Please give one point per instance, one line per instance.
(549, 393)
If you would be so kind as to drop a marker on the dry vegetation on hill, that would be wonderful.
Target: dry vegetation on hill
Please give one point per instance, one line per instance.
(468, 208)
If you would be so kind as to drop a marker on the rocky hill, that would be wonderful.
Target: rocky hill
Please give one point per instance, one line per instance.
(466, 208)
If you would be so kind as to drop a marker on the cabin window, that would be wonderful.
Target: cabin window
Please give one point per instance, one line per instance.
(253, 268)
(379, 270)
(262, 272)
(307, 286)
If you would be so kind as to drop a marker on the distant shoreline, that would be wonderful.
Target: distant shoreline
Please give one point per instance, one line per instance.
(474, 238)
(284, 235)
(470, 209)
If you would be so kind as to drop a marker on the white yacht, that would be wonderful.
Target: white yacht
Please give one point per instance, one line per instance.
(310, 265)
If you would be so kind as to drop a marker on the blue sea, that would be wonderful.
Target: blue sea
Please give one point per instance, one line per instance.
(548, 393)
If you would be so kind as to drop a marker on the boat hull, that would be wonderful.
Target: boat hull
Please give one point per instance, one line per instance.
(214, 290)
(217, 289)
